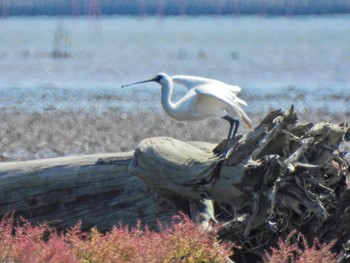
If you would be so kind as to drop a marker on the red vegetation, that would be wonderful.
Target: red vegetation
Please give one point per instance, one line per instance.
(299, 251)
(182, 242)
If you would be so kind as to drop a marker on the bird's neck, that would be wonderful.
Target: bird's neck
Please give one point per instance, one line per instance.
(168, 105)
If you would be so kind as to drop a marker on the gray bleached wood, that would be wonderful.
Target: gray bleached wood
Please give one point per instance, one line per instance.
(281, 176)
(96, 189)
(184, 170)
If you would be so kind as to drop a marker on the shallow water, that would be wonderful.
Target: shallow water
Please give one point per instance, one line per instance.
(261, 54)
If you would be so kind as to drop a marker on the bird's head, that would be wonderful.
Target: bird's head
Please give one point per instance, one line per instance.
(160, 78)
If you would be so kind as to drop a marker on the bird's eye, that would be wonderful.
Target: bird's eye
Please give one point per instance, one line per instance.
(159, 77)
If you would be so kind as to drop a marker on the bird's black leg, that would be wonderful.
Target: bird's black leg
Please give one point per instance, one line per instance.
(234, 124)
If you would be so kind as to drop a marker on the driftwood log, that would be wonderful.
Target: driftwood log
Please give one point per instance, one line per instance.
(282, 176)
(97, 190)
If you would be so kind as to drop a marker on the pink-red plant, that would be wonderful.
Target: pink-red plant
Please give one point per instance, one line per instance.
(6, 224)
(183, 241)
(299, 251)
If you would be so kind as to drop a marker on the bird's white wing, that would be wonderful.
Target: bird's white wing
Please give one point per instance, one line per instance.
(228, 96)
(224, 94)
(193, 82)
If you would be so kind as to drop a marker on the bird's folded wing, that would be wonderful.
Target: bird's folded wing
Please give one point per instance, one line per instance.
(227, 96)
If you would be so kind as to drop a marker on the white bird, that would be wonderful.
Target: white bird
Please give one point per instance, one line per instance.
(204, 98)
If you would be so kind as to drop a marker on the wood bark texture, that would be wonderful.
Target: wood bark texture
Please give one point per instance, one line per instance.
(94, 189)
(280, 177)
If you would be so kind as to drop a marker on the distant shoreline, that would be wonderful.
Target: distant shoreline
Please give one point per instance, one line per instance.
(173, 7)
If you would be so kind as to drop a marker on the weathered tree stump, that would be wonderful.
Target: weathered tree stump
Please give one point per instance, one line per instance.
(279, 177)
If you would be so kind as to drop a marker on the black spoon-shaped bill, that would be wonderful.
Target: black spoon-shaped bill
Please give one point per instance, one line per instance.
(139, 82)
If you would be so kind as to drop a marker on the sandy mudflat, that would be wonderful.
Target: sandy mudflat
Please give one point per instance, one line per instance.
(59, 133)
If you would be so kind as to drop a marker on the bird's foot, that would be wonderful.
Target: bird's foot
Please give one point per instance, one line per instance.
(215, 157)
(225, 154)
(222, 156)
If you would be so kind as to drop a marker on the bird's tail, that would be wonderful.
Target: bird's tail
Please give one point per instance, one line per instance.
(240, 101)
(247, 121)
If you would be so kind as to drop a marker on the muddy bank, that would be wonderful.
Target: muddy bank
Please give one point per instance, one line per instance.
(34, 135)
